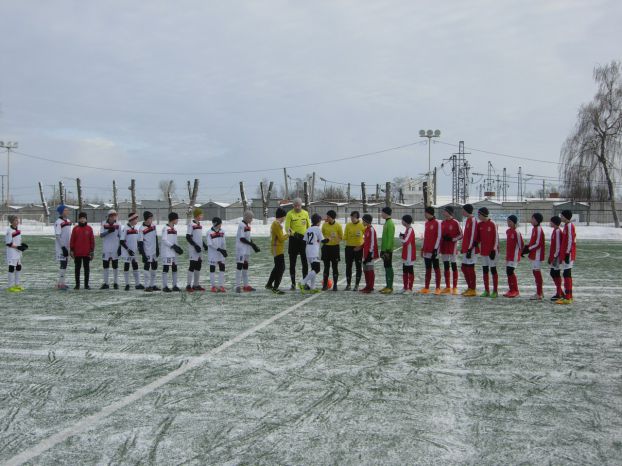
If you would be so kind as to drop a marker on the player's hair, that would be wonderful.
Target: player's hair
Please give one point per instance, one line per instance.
(449, 209)
(11, 218)
(355, 213)
(280, 213)
(173, 216)
(407, 219)
(332, 214)
(297, 200)
(567, 214)
(316, 219)
(555, 220)
(82, 215)
(387, 210)
(248, 215)
(468, 208)
(368, 218)
(538, 217)
(429, 210)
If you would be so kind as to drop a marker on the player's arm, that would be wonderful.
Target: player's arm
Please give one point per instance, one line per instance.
(8, 239)
(437, 243)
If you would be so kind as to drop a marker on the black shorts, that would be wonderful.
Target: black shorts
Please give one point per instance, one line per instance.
(330, 253)
(353, 255)
(296, 245)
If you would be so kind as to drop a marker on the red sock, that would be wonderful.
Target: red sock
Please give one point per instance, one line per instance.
(412, 281)
(437, 277)
(465, 273)
(495, 282)
(428, 277)
(366, 274)
(568, 287)
(486, 282)
(538, 276)
(511, 282)
(473, 277)
(515, 282)
(455, 277)
(447, 278)
(558, 286)
(405, 280)
(372, 279)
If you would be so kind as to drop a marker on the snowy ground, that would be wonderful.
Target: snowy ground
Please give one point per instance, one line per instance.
(336, 378)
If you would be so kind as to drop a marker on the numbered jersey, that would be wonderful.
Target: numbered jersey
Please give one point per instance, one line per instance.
(148, 235)
(313, 239)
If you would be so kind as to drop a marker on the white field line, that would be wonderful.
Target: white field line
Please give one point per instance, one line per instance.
(86, 423)
(61, 353)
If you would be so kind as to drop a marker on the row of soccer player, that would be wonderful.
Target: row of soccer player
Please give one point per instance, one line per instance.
(480, 238)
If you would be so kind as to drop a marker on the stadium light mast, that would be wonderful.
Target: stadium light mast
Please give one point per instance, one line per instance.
(429, 134)
(9, 145)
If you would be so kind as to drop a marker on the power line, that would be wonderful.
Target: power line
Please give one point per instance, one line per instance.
(231, 172)
(500, 154)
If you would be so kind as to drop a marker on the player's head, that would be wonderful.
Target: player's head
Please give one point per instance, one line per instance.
(407, 220)
(148, 217)
(173, 218)
(216, 223)
(62, 210)
(555, 221)
(429, 213)
(112, 216)
(536, 219)
(13, 220)
(316, 219)
(467, 209)
(448, 212)
(367, 219)
(512, 221)
(132, 219)
(248, 216)
(566, 215)
(82, 218)
(297, 204)
(331, 215)
(386, 212)
(280, 214)
(197, 214)
(482, 214)
(355, 216)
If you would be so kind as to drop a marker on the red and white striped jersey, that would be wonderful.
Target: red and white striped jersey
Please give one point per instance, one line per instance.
(409, 248)
(469, 234)
(514, 245)
(432, 236)
(536, 244)
(556, 244)
(569, 242)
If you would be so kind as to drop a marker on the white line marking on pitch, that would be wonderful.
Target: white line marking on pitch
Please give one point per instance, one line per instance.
(86, 423)
(61, 353)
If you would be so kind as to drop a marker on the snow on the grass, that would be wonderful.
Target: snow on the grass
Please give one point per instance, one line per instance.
(259, 230)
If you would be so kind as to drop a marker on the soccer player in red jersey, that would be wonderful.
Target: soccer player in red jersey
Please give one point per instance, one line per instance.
(536, 252)
(488, 241)
(469, 251)
(370, 253)
(567, 255)
(513, 252)
(409, 253)
(451, 233)
(554, 257)
(430, 250)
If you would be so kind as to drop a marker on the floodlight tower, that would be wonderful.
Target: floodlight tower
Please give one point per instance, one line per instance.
(430, 134)
(9, 145)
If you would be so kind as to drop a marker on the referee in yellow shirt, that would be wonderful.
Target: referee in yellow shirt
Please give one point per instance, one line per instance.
(331, 230)
(296, 223)
(353, 236)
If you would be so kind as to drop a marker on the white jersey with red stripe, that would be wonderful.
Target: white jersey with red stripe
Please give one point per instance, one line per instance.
(129, 234)
(195, 230)
(168, 239)
(215, 241)
(111, 235)
(244, 231)
(62, 233)
(13, 237)
(148, 235)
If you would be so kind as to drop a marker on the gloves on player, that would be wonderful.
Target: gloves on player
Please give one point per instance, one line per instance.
(22, 247)
(525, 250)
(205, 246)
(255, 247)
(469, 253)
(65, 252)
(177, 249)
(492, 255)
(197, 248)
(223, 252)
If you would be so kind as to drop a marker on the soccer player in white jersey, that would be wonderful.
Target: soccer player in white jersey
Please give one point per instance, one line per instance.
(14, 249)
(110, 232)
(194, 236)
(313, 239)
(243, 246)
(62, 234)
(129, 251)
(149, 250)
(170, 251)
(216, 254)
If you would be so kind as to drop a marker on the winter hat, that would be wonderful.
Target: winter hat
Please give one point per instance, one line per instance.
(280, 212)
(449, 209)
(555, 220)
(332, 214)
(387, 210)
(538, 217)
(429, 210)
(112, 212)
(132, 216)
(248, 215)
(172, 216)
(147, 215)
(216, 221)
(316, 219)
(367, 218)
(355, 213)
(468, 208)
(484, 211)
(567, 214)
(513, 219)
(407, 219)
(196, 212)
(60, 209)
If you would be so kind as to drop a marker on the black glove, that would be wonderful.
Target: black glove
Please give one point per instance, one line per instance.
(469, 253)
(447, 238)
(204, 246)
(197, 248)
(223, 252)
(130, 253)
(525, 250)
(434, 254)
(368, 258)
(325, 240)
(402, 235)
(22, 247)
(65, 252)
(177, 249)
(567, 259)
(255, 247)
(119, 251)
(492, 255)
(145, 258)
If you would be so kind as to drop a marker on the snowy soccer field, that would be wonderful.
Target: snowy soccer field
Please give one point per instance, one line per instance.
(114, 377)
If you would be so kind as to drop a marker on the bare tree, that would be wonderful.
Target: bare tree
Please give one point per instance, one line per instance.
(167, 188)
(332, 193)
(590, 153)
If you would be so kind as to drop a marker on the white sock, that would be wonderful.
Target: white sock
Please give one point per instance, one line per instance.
(190, 275)
(61, 276)
(146, 276)
(221, 279)
(136, 277)
(106, 275)
(115, 275)
(174, 279)
(212, 278)
(16, 279)
(153, 278)
(164, 279)
(238, 277)
(126, 277)
(245, 276)
(310, 279)
(11, 279)
(197, 278)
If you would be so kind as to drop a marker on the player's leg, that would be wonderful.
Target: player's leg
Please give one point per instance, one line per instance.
(349, 253)
(86, 266)
(106, 273)
(174, 275)
(126, 274)
(137, 284)
(486, 277)
(152, 278)
(197, 275)
(18, 271)
(447, 274)
(327, 262)
(292, 251)
(165, 269)
(428, 273)
(437, 275)
(221, 276)
(238, 274)
(358, 265)
(537, 275)
(115, 273)
(212, 277)
(77, 263)
(495, 279)
(247, 286)
(190, 280)
(11, 278)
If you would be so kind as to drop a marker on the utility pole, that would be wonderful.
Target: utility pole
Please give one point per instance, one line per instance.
(193, 196)
(169, 196)
(364, 197)
(115, 203)
(519, 194)
(285, 178)
(46, 210)
(61, 189)
(9, 146)
(429, 134)
(3, 200)
(306, 194)
(543, 189)
(313, 187)
(243, 198)
(348, 194)
(387, 194)
(377, 192)
(133, 194)
(505, 185)
(79, 188)
(265, 200)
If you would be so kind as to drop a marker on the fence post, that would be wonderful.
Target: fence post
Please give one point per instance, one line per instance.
(46, 210)
(364, 197)
(133, 194)
(243, 198)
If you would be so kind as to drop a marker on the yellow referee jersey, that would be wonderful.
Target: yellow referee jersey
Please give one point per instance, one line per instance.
(333, 232)
(354, 234)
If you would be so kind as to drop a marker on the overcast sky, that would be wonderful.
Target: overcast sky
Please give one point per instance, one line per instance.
(215, 86)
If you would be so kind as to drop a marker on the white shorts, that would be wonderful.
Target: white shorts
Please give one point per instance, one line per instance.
(153, 258)
(169, 261)
(535, 265)
(408, 263)
(311, 260)
(61, 258)
(471, 261)
(486, 261)
(193, 255)
(106, 256)
(512, 264)
(555, 265)
(128, 259)
(13, 262)
(242, 258)
(449, 257)
(567, 266)
(428, 255)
